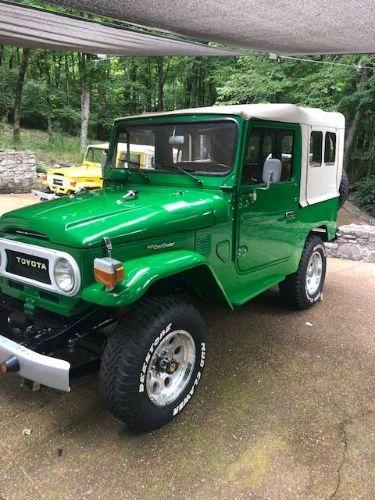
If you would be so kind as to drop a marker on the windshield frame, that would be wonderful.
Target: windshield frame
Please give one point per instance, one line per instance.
(155, 120)
(96, 148)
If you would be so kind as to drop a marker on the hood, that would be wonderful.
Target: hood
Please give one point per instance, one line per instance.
(84, 219)
(77, 171)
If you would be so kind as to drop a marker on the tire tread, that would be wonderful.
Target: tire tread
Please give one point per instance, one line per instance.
(120, 367)
(292, 289)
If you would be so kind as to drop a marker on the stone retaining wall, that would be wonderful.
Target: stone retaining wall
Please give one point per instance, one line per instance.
(354, 242)
(17, 171)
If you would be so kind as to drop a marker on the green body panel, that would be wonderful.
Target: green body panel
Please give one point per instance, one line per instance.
(83, 221)
(213, 236)
(142, 273)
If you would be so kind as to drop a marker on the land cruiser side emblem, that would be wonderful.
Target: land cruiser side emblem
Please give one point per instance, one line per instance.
(31, 263)
(160, 246)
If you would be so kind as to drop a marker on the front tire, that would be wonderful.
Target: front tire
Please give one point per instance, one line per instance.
(153, 363)
(304, 288)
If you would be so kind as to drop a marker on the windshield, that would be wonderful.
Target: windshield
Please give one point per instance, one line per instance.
(96, 155)
(196, 147)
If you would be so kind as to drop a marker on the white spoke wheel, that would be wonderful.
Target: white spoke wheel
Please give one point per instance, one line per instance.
(153, 362)
(170, 368)
(314, 273)
(303, 288)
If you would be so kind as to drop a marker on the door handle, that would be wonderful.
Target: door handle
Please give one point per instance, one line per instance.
(253, 196)
(290, 214)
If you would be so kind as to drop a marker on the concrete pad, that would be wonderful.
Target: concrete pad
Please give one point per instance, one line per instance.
(10, 202)
(285, 410)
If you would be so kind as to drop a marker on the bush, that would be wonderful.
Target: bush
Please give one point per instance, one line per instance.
(364, 196)
(41, 168)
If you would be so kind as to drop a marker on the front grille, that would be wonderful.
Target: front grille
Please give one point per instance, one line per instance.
(28, 266)
(58, 182)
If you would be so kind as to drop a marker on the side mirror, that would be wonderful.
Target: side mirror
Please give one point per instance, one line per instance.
(176, 140)
(272, 171)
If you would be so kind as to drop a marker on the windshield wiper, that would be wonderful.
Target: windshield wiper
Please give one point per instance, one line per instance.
(138, 170)
(189, 174)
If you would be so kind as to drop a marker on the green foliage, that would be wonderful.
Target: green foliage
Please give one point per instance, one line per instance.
(59, 148)
(252, 80)
(127, 86)
(364, 195)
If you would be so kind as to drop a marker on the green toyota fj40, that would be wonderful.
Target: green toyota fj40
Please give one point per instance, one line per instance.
(238, 199)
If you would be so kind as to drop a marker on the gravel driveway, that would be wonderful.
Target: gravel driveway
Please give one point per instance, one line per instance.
(286, 410)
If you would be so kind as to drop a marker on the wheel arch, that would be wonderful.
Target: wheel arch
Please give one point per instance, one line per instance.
(199, 280)
(145, 273)
(321, 231)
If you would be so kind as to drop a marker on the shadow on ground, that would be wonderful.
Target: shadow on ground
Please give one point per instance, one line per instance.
(285, 410)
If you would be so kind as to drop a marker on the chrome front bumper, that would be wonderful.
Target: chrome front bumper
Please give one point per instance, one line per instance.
(44, 370)
(44, 196)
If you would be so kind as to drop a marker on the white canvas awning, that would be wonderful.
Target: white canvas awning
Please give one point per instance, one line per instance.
(285, 28)
(31, 27)
(282, 27)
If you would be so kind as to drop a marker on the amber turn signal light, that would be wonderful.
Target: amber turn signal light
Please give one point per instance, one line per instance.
(108, 271)
(10, 365)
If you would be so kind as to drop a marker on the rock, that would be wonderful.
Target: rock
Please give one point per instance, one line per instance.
(354, 242)
(370, 256)
(17, 171)
(351, 251)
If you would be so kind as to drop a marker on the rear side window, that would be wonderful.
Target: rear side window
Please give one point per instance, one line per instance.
(330, 148)
(316, 149)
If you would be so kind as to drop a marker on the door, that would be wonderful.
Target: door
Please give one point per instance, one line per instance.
(267, 207)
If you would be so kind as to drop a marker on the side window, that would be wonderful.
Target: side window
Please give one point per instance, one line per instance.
(330, 148)
(316, 149)
(124, 159)
(268, 144)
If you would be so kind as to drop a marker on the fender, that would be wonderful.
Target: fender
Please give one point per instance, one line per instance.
(141, 273)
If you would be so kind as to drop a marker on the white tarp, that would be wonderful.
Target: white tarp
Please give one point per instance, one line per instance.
(282, 27)
(30, 27)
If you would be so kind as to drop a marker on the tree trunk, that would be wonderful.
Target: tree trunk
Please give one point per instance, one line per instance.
(149, 85)
(85, 102)
(160, 73)
(350, 135)
(189, 83)
(85, 109)
(18, 95)
(49, 101)
(130, 92)
(352, 129)
(4, 103)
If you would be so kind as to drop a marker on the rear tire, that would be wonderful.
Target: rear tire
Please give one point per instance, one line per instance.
(304, 288)
(153, 363)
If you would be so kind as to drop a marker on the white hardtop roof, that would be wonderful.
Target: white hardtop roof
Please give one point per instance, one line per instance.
(289, 113)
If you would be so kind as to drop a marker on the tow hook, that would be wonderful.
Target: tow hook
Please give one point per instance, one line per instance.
(10, 365)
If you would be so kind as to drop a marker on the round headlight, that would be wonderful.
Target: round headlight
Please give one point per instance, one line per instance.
(64, 275)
